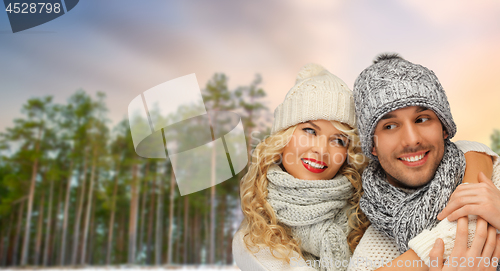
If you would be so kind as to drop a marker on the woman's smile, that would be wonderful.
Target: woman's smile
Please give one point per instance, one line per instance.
(313, 165)
(316, 151)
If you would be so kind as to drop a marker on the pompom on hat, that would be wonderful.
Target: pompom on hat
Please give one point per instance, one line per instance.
(392, 83)
(317, 94)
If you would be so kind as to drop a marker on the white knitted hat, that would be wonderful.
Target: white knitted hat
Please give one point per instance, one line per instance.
(317, 94)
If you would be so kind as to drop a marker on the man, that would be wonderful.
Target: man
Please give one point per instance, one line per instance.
(405, 127)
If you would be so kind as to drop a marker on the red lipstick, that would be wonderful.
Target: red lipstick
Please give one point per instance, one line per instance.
(313, 169)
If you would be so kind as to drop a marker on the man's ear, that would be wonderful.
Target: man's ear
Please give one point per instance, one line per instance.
(375, 143)
(445, 134)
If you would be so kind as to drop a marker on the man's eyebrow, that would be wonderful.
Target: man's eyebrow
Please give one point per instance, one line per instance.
(387, 116)
(421, 108)
(418, 110)
(313, 125)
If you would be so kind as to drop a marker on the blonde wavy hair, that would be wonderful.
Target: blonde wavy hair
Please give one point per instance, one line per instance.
(260, 225)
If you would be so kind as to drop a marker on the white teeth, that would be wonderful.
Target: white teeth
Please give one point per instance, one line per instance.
(413, 158)
(312, 164)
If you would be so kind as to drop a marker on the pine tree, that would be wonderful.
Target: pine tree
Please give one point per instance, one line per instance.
(29, 133)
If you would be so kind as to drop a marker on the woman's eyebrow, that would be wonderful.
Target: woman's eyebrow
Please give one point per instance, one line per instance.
(313, 125)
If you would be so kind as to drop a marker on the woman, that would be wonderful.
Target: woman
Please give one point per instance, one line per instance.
(304, 179)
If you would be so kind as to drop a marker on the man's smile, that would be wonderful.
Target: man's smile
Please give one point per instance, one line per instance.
(414, 159)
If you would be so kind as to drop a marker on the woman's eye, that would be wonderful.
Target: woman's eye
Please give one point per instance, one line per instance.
(420, 120)
(390, 126)
(340, 141)
(310, 131)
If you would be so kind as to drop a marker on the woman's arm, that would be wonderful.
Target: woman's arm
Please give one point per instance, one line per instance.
(477, 162)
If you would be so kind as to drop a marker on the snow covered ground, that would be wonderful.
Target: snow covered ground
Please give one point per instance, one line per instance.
(131, 268)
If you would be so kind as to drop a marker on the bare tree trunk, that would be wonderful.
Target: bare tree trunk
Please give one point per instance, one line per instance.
(159, 215)
(92, 233)
(34, 172)
(89, 208)
(7, 261)
(211, 249)
(39, 231)
(198, 235)
(142, 214)
(229, 244)
(112, 218)
(18, 233)
(151, 218)
(104, 247)
(49, 224)
(171, 218)
(2, 242)
(120, 244)
(132, 241)
(62, 254)
(222, 210)
(76, 232)
(55, 258)
(195, 239)
(206, 225)
(178, 243)
(186, 229)
(7, 247)
(165, 237)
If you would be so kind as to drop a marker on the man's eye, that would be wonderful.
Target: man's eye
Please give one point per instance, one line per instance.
(419, 120)
(309, 130)
(390, 126)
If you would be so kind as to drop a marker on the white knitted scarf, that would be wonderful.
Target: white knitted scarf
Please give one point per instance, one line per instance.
(315, 210)
(404, 214)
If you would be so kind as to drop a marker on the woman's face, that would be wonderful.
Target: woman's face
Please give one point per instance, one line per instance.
(316, 151)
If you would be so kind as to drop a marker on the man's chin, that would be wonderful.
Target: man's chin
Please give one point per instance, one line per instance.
(410, 182)
(415, 185)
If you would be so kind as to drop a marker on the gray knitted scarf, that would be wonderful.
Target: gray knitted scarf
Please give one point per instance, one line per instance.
(403, 214)
(315, 210)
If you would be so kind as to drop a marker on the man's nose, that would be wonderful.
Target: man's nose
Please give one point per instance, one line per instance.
(411, 135)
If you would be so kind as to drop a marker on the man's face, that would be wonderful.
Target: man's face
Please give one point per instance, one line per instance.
(409, 144)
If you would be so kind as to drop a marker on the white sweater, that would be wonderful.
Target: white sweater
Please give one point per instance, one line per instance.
(263, 260)
(373, 246)
(376, 248)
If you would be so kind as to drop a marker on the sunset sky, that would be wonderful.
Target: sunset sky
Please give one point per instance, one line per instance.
(126, 47)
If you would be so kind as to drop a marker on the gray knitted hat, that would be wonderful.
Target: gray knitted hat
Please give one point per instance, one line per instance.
(392, 83)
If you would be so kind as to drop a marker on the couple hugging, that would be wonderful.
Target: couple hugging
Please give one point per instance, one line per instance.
(312, 200)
